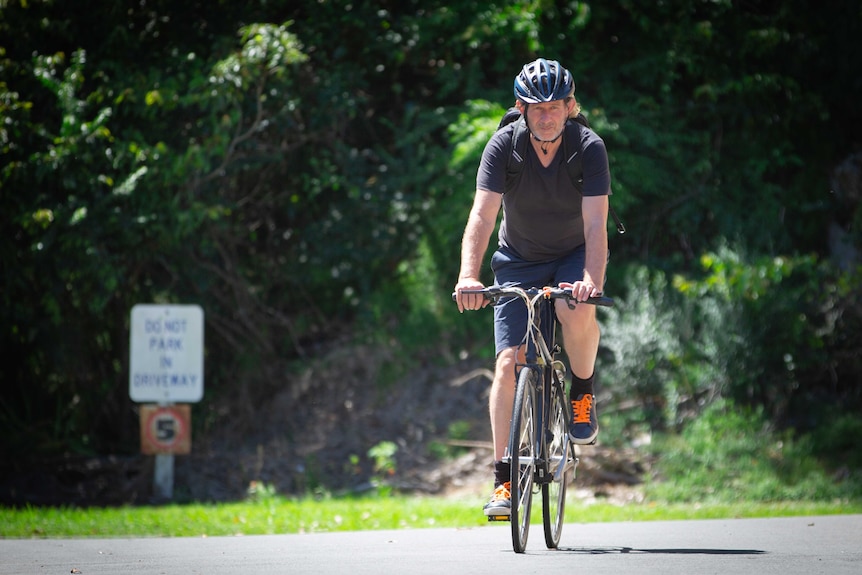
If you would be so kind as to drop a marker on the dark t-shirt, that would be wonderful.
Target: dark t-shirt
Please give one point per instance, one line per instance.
(542, 217)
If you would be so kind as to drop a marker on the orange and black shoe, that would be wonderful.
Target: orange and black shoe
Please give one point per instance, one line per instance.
(585, 424)
(501, 501)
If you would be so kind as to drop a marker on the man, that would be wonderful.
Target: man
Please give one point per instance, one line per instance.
(550, 235)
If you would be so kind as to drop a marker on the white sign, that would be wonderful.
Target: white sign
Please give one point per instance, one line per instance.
(166, 354)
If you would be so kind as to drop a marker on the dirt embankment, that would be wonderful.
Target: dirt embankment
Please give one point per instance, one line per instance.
(317, 433)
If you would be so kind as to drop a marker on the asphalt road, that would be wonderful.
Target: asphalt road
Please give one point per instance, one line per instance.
(830, 545)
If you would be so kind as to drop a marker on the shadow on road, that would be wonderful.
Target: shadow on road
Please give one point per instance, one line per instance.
(632, 550)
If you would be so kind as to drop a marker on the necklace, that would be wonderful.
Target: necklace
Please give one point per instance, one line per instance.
(545, 144)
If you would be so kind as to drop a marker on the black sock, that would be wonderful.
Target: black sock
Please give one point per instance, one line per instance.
(502, 473)
(581, 386)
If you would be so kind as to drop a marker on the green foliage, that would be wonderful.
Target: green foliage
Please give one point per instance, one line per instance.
(732, 453)
(424, 310)
(644, 354)
(698, 82)
(303, 170)
(457, 431)
(129, 210)
(782, 316)
(259, 492)
(748, 328)
(383, 455)
(838, 439)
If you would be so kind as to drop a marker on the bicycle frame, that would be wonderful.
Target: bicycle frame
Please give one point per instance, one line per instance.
(544, 348)
(540, 349)
(539, 413)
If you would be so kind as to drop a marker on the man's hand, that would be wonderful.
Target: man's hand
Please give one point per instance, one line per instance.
(469, 300)
(582, 290)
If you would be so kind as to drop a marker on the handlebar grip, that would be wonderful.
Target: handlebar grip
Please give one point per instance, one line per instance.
(600, 301)
(483, 291)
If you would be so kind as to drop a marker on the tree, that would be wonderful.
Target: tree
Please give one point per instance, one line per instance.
(301, 169)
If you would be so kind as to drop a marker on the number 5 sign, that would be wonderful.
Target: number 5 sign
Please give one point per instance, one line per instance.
(165, 429)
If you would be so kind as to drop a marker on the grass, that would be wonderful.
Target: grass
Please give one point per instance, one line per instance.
(273, 515)
(730, 453)
(279, 515)
(729, 463)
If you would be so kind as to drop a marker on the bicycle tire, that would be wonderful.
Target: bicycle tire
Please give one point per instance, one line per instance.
(522, 448)
(560, 462)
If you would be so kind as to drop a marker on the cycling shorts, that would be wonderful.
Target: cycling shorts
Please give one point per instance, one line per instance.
(510, 314)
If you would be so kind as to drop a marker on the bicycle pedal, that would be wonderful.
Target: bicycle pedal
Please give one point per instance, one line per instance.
(499, 518)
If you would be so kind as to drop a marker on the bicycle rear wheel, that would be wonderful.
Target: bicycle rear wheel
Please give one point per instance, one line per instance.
(522, 448)
(560, 467)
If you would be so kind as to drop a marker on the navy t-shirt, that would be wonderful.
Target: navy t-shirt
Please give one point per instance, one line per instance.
(542, 217)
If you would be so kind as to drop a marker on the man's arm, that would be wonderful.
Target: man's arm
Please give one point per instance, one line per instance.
(595, 212)
(477, 234)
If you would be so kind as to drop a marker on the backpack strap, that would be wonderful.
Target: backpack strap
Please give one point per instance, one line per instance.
(573, 146)
(621, 229)
(518, 154)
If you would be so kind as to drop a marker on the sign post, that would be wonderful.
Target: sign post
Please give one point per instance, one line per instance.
(166, 367)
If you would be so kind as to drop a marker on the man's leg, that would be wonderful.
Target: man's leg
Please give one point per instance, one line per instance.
(502, 398)
(510, 324)
(581, 336)
(500, 403)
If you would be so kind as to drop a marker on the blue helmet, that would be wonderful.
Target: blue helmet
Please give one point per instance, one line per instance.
(543, 81)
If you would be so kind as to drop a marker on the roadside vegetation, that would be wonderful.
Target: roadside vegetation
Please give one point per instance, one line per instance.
(726, 464)
(302, 170)
(281, 515)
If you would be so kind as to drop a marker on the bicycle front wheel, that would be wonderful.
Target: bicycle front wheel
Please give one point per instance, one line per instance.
(522, 448)
(560, 467)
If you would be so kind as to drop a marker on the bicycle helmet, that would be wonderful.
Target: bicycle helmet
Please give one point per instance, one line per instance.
(543, 81)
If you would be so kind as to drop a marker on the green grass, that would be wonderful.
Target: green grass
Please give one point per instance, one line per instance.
(278, 515)
(273, 515)
(729, 463)
(731, 453)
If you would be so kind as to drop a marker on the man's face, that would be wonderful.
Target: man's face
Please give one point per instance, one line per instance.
(547, 119)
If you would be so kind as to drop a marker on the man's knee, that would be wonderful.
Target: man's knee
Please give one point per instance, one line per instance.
(505, 365)
(580, 318)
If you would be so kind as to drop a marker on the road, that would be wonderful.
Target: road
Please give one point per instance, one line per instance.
(830, 545)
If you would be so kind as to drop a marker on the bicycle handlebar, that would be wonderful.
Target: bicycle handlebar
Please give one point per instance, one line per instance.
(496, 292)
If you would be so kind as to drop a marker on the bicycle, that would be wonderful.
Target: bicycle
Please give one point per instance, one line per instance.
(540, 452)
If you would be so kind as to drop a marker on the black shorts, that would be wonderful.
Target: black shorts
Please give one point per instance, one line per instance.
(510, 315)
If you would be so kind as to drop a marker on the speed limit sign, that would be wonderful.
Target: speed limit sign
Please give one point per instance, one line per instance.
(165, 429)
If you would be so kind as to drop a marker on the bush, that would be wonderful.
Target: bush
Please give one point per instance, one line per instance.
(732, 452)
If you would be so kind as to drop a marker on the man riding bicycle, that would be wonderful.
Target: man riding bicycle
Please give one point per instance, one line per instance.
(551, 234)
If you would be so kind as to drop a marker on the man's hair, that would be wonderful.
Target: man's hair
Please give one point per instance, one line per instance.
(576, 110)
